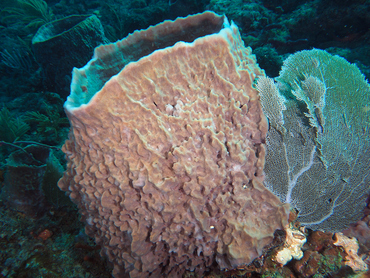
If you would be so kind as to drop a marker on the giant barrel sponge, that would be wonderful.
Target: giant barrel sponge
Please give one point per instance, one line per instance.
(166, 150)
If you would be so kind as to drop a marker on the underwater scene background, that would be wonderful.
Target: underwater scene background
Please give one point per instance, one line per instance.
(41, 233)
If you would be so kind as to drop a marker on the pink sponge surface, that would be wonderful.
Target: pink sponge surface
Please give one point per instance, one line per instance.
(166, 160)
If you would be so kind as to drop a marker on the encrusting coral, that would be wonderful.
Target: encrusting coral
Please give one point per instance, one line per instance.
(350, 246)
(165, 160)
(292, 247)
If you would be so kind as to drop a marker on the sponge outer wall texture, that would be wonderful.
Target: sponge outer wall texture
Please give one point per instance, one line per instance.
(165, 162)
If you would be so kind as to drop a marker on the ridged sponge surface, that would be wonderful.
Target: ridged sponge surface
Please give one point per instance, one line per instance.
(165, 160)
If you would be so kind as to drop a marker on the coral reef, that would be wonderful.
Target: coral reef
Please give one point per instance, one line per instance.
(165, 159)
(31, 112)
